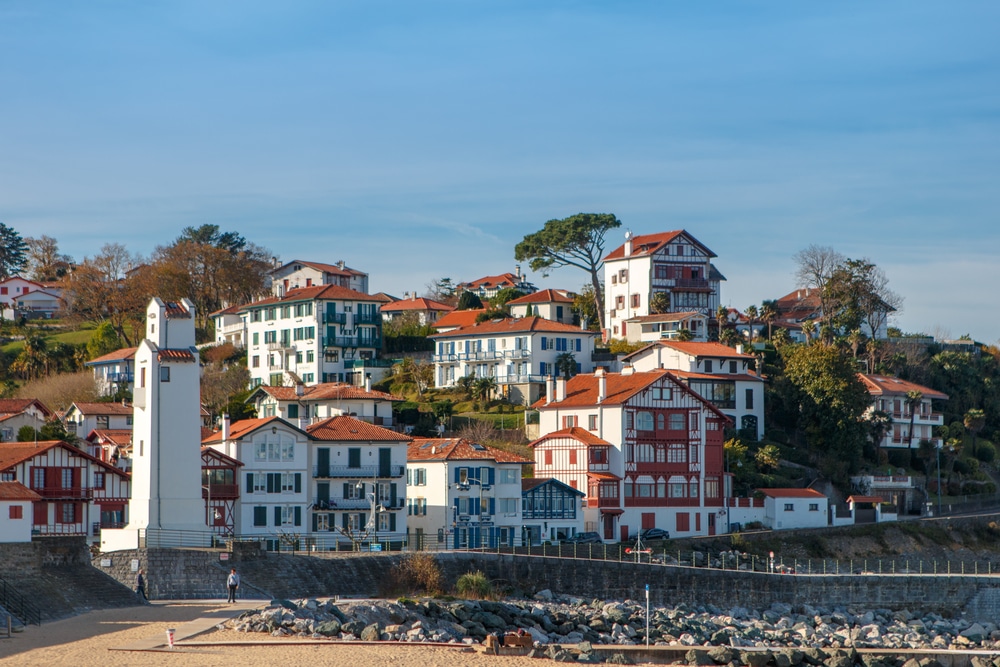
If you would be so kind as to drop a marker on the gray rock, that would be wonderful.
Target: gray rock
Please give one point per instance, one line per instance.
(756, 658)
(618, 659)
(371, 633)
(721, 655)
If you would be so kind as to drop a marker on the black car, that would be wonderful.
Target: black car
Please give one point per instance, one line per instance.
(654, 534)
(585, 538)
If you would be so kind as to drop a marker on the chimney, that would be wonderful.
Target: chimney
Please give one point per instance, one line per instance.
(368, 381)
(549, 389)
(517, 270)
(627, 369)
(602, 384)
(628, 243)
(340, 264)
(303, 423)
(560, 388)
(739, 348)
(225, 427)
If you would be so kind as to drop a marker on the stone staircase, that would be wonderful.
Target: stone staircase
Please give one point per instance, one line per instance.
(68, 589)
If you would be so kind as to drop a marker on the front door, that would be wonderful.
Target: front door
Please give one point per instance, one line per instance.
(609, 526)
(711, 523)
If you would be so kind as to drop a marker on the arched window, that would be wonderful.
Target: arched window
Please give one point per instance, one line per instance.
(644, 421)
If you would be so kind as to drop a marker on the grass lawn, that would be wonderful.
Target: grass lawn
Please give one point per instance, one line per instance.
(74, 337)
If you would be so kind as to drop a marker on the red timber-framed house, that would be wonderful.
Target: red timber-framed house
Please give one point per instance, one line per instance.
(645, 448)
(80, 494)
(220, 489)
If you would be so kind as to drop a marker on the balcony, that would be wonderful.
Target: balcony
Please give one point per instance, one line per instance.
(120, 377)
(279, 345)
(604, 502)
(367, 318)
(221, 491)
(369, 363)
(362, 473)
(350, 341)
(520, 379)
(335, 318)
(356, 504)
(73, 492)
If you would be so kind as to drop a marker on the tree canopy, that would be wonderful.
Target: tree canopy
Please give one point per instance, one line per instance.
(13, 252)
(574, 241)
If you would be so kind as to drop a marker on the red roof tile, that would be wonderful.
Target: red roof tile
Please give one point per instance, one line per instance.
(647, 244)
(514, 325)
(17, 491)
(175, 355)
(114, 436)
(458, 318)
(883, 385)
(326, 268)
(13, 453)
(542, 296)
(231, 310)
(746, 377)
(665, 317)
(458, 449)
(502, 280)
(792, 493)
(117, 355)
(177, 311)
(103, 408)
(703, 349)
(18, 405)
(420, 303)
(575, 432)
(244, 426)
(349, 428)
(316, 292)
(327, 391)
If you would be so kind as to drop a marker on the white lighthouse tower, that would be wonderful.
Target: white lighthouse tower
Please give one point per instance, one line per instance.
(166, 436)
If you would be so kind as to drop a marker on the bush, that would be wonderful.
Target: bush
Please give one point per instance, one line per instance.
(415, 573)
(474, 586)
(985, 451)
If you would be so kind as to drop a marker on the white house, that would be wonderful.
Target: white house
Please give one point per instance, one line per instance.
(669, 326)
(715, 372)
(518, 353)
(77, 494)
(300, 273)
(358, 487)
(461, 494)
(550, 304)
(487, 287)
(16, 502)
(891, 395)
(551, 510)
(426, 311)
(303, 405)
(166, 499)
(673, 263)
(113, 446)
(15, 287)
(274, 477)
(114, 371)
(323, 333)
(43, 302)
(647, 450)
(83, 417)
(230, 326)
(795, 508)
(15, 413)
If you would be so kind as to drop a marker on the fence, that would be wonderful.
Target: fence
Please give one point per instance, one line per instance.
(17, 605)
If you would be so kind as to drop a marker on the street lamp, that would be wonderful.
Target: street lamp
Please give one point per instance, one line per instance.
(464, 486)
(376, 510)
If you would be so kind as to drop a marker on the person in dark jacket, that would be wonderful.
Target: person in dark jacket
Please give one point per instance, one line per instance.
(140, 585)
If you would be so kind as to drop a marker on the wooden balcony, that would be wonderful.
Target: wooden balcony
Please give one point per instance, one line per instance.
(220, 491)
(70, 493)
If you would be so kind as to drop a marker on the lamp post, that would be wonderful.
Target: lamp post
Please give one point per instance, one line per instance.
(376, 510)
(938, 450)
(464, 486)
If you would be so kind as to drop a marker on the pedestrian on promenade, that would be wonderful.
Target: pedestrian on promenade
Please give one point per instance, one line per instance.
(232, 583)
(140, 586)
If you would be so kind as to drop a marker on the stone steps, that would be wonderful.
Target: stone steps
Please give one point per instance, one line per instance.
(65, 590)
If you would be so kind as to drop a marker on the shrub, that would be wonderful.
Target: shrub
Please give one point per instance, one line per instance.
(415, 573)
(985, 451)
(473, 586)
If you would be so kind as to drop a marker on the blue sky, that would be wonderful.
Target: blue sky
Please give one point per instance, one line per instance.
(417, 140)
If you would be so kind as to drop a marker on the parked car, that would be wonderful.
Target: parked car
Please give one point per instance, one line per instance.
(654, 534)
(585, 538)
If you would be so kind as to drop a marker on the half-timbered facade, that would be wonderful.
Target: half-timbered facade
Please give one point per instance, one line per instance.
(220, 489)
(78, 494)
(648, 449)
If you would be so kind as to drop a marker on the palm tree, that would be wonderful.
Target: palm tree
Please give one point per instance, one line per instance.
(768, 315)
(751, 313)
(721, 319)
(913, 398)
(808, 329)
(484, 387)
(684, 335)
(854, 339)
(974, 421)
(879, 423)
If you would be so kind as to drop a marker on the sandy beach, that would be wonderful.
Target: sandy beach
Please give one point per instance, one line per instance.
(93, 639)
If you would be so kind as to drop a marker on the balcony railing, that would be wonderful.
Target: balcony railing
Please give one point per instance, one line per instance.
(120, 377)
(363, 473)
(520, 379)
(368, 363)
(367, 318)
(355, 504)
(59, 529)
(73, 492)
(603, 502)
(350, 341)
(279, 345)
(335, 318)
(220, 491)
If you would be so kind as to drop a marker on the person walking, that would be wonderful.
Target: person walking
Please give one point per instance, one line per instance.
(140, 586)
(232, 583)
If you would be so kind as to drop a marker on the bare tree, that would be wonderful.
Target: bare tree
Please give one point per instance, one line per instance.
(814, 266)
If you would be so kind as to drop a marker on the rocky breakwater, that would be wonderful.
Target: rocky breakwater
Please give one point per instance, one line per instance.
(781, 635)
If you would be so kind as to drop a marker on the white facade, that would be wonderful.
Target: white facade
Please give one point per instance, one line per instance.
(299, 273)
(674, 263)
(10, 424)
(795, 508)
(461, 494)
(16, 512)
(715, 372)
(166, 458)
(113, 371)
(518, 353)
(81, 418)
(651, 328)
(549, 304)
(46, 301)
(303, 405)
(889, 395)
(14, 287)
(230, 327)
(312, 335)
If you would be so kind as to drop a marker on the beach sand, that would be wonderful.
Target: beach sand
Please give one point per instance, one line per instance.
(89, 639)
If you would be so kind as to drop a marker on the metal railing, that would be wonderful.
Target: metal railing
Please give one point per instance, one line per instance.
(363, 473)
(17, 605)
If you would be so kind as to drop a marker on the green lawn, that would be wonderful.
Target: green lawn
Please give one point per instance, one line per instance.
(74, 337)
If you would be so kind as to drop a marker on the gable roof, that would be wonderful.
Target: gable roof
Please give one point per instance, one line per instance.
(15, 406)
(113, 436)
(335, 269)
(17, 491)
(349, 428)
(792, 493)
(418, 303)
(86, 408)
(11, 279)
(581, 390)
(701, 349)
(314, 293)
(887, 385)
(666, 317)
(383, 297)
(501, 281)
(691, 375)
(458, 449)
(117, 355)
(541, 296)
(530, 483)
(244, 427)
(575, 432)
(531, 324)
(458, 318)
(231, 310)
(176, 310)
(648, 244)
(323, 392)
(14, 453)
(222, 457)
